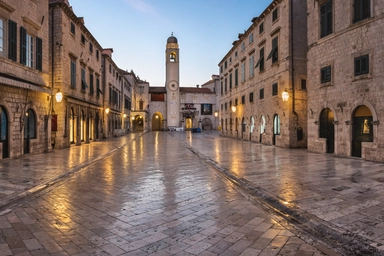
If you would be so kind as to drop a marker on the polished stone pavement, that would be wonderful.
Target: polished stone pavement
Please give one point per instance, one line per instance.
(275, 201)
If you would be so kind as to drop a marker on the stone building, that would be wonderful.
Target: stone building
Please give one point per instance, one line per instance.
(25, 102)
(117, 97)
(174, 107)
(266, 62)
(94, 89)
(345, 61)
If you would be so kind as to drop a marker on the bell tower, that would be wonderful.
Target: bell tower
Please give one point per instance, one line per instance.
(172, 82)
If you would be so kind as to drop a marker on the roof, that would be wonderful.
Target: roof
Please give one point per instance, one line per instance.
(157, 90)
(195, 90)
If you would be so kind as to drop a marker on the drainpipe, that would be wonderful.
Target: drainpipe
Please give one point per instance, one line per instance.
(292, 71)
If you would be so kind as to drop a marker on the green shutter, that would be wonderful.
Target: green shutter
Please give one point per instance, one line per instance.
(39, 54)
(23, 46)
(12, 40)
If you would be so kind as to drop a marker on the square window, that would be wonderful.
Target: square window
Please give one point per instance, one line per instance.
(275, 89)
(274, 54)
(303, 84)
(362, 65)
(73, 73)
(261, 28)
(325, 74)
(275, 15)
(73, 28)
(326, 19)
(362, 9)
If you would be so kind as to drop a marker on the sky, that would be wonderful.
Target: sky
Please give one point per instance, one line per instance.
(138, 30)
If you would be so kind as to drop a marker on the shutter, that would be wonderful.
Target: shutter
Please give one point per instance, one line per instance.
(39, 54)
(357, 66)
(23, 46)
(365, 64)
(12, 40)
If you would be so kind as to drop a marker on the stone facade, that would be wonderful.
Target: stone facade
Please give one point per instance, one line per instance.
(24, 78)
(188, 108)
(344, 78)
(266, 60)
(94, 89)
(115, 97)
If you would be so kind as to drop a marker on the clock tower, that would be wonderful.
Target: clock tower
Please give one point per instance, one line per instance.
(172, 82)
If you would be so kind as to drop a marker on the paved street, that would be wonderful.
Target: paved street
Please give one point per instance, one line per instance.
(184, 193)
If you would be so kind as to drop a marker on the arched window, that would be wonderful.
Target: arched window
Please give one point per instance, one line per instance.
(276, 125)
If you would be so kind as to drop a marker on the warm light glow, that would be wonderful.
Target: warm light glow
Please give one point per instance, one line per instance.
(59, 97)
(285, 96)
(216, 114)
(133, 118)
(107, 110)
(156, 116)
(124, 115)
(233, 109)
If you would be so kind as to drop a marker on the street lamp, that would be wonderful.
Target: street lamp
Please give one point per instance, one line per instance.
(59, 96)
(285, 95)
(233, 109)
(107, 110)
(216, 113)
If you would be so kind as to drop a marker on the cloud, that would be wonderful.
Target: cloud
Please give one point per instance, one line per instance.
(141, 5)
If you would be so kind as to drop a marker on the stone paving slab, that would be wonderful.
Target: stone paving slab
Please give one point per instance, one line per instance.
(343, 194)
(306, 182)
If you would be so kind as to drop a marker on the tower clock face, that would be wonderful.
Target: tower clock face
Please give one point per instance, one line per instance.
(173, 86)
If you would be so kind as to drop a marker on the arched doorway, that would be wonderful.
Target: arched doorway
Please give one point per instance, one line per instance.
(72, 126)
(207, 124)
(4, 136)
(236, 127)
(243, 127)
(276, 128)
(97, 121)
(327, 129)
(29, 129)
(188, 123)
(156, 122)
(262, 127)
(91, 127)
(82, 126)
(362, 130)
(138, 123)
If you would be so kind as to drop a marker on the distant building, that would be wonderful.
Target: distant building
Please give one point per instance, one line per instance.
(266, 62)
(25, 94)
(177, 107)
(345, 66)
(96, 93)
